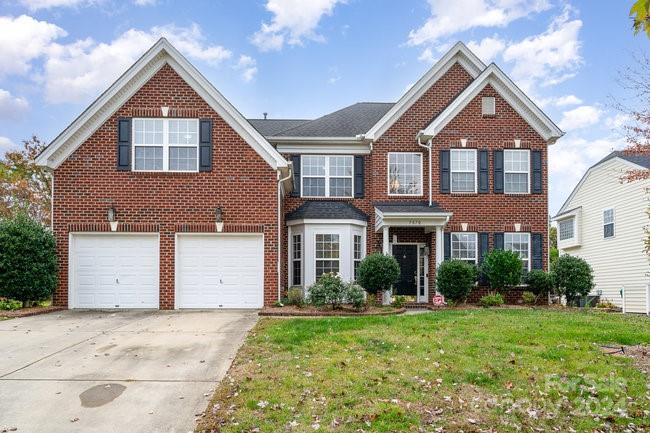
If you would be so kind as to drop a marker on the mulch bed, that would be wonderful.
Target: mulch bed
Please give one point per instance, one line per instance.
(307, 311)
(30, 311)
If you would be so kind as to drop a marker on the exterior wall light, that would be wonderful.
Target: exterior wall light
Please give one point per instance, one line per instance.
(218, 218)
(111, 216)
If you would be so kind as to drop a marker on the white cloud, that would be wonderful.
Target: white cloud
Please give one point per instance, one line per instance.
(617, 121)
(581, 117)
(451, 17)
(248, 67)
(12, 107)
(293, 21)
(22, 40)
(5, 145)
(547, 58)
(144, 2)
(488, 48)
(559, 101)
(35, 5)
(427, 56)
(77, 71)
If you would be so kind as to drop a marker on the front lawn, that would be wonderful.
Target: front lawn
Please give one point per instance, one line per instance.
(474, 370)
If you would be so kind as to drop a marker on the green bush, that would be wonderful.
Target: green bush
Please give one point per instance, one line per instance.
(492, 300)
(295, 297)
(455, 279)
(502, 269)
(10, 304)
(356, 296)
(330, 289)
(539, 282)
(529, 298)
(572, 277)
(378, 272)
(399, 301)
(28, 260)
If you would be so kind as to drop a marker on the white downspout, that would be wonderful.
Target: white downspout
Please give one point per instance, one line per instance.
(280, 180)
(428, 146)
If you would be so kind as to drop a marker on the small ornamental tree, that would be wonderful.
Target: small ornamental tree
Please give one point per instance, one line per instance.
(502, 269)
(378, 273)
(572, 277)
(455, 279)
(27, 260)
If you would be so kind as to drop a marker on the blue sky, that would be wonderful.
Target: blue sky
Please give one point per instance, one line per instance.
(302, 59)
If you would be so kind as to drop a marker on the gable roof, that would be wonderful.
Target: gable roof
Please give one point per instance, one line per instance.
(459, 53)
(161, 53)
(269, 127)
(638, 161)
(509, 91)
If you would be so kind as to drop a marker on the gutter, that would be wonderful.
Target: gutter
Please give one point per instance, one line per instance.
(427, 146)
(279, 248)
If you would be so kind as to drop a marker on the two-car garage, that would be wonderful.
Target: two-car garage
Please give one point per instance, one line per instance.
(122, 270)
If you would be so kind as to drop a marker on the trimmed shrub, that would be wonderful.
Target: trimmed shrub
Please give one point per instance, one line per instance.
(529, 298)
(399, 301)
(356, 296)
(330, 289)
(28, 260)
(502, 269)
(378, 273)
(492, 300)
(10, 304)
(539, 282)
(295, 297)
(572, 277)
(455, 279)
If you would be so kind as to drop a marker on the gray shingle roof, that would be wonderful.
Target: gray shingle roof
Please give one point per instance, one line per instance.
(408, 207)
(642, 159)
(347, 122)
(326, 210)
(268, 127)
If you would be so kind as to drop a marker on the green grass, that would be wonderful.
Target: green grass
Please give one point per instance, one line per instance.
(461, 370)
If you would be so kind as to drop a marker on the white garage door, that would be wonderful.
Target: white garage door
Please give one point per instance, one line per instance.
(219, 271)
(114, 271)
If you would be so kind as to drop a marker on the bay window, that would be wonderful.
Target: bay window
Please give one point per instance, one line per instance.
(327, 254)
(566, 229)
(165, 144)
(296, 260)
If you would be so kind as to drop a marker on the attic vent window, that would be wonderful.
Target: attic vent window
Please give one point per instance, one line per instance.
(488, 106)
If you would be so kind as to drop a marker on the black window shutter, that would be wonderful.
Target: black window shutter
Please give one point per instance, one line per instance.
(498, 241)
(205, 145)
(536, 240)
(498, 171)
(358, 176)
(296, 176)
(483, 172)
(447, 252)
(483, 241)
(124, 143)
(444, 172)
(536, 168)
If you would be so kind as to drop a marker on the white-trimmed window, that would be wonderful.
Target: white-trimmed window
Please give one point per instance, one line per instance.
(519, 243)
(326, 176)
(464, 246)
(566, 229)
(327, 254)
(165, 145)
(608, 223)
(357, 246)
(516, 171)
(296, 260)
(463, 170)
(404, 173)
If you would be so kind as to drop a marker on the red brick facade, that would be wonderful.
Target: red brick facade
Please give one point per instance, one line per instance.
(241, 183)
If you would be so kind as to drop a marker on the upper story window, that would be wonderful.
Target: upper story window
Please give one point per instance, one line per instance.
(519, 243)
(608, 223)
(165, 144)
(566, 229)
(326, 176)
(516, 171)
(464, 246)
(463, 170)
(404, 173)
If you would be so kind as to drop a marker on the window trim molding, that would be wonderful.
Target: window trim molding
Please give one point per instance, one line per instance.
(165, 144)
(316, 259)
(506, 151)
(613, 223)
(390, 194)
(451, 252)
(327, 176)
(530, 259)
(452, 171)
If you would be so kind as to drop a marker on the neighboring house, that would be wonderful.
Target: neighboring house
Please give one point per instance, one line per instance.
(166, 196)
(603, 221)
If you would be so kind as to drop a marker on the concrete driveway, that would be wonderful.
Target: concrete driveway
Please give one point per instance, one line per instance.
(123, 371)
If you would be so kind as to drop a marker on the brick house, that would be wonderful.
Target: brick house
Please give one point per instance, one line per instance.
(165, 196)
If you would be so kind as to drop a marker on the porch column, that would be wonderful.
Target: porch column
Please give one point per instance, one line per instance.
(385, 249)
(439, 253)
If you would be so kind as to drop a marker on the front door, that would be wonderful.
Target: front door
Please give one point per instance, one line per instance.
(407, 257)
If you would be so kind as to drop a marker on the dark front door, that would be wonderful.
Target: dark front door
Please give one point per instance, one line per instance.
(407, 257)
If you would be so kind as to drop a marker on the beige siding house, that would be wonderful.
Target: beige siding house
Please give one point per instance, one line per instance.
(603, 221)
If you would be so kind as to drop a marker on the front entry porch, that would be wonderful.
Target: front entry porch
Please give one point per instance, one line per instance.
(412, 232)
